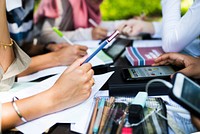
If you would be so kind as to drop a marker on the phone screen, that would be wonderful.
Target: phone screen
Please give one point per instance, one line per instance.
(191, 94)
(150, 71)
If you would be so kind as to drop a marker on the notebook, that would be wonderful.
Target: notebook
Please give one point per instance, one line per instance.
(141, 56)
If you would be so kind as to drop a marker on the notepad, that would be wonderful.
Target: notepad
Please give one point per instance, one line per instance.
(141, 56)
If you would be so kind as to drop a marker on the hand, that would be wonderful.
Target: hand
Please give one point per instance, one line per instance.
(190, 63)
(135, 27)
(73, 86)
(68, 54)
(56, 47)
(196, 121)
(99, 33)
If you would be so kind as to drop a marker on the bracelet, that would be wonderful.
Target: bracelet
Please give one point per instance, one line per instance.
(7, 45)
(17, 110)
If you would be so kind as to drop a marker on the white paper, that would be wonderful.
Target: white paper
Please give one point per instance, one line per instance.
(89, 43)
(71, 115)
(43, 73)
(12, 4)
(93, 43)
(147, 43)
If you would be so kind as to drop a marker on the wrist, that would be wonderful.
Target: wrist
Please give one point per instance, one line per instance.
(46, 47)
(148, 28)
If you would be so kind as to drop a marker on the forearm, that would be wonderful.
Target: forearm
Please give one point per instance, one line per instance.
(33, 50)
(30, 108)
(111, 25)
(4, 34)
(41, 62)
(6, 53)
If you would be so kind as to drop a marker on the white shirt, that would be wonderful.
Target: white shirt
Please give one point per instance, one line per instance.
(177, 31)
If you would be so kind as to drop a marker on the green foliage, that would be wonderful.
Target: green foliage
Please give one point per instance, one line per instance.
(124, 9)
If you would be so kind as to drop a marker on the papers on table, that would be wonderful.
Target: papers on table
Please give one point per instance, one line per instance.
(42, 73)
(100, 59)
(92, 43)
(89, 43)
(71, 115)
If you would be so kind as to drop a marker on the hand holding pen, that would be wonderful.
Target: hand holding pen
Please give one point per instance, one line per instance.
(102, 45)
(98, 32)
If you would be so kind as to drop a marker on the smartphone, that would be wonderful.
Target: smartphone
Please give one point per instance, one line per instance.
(187, 93)
(147, 72)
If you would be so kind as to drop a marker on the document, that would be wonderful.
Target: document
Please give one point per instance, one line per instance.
(43, 73)
(71, 115)
(91, 43)
(88, 43)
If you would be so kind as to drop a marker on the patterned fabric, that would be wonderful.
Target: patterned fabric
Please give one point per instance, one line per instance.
(20, 23)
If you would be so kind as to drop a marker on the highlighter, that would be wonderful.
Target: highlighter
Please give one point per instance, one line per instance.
(136, 113)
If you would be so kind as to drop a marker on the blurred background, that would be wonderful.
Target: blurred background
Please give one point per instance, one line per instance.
(125, 9)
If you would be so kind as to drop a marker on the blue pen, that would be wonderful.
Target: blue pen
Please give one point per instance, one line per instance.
(99, 116)
(102, 45)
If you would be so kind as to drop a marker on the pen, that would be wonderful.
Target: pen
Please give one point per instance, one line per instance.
(62, 35)
(93, 116)
(93, 22)
(102, 45)
(99, 116)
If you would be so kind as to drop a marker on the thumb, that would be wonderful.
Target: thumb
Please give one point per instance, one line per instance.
(187, 71)
(76, 64)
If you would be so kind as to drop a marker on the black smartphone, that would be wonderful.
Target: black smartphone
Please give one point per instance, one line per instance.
(187, 93)
(147, 72)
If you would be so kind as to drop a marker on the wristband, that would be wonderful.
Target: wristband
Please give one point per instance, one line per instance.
(17, 110)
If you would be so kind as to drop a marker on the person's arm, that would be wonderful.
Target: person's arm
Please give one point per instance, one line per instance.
(111, 25)
(190, 64)
(74, 87)
(135, 27)
(179, 31)
(6, 54)
(65, 56)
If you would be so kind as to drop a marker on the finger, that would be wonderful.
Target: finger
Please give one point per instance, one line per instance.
(82, 53)
(121, 27)
(135, 31)
(187, 71)
(86, 67)
(126, 30)
(102, 32)
(81, 47)
(76, 64)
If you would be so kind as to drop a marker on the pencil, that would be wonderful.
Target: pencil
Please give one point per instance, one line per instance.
(93, 22)
(106, 112)
(93, 117)
(99, 116)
